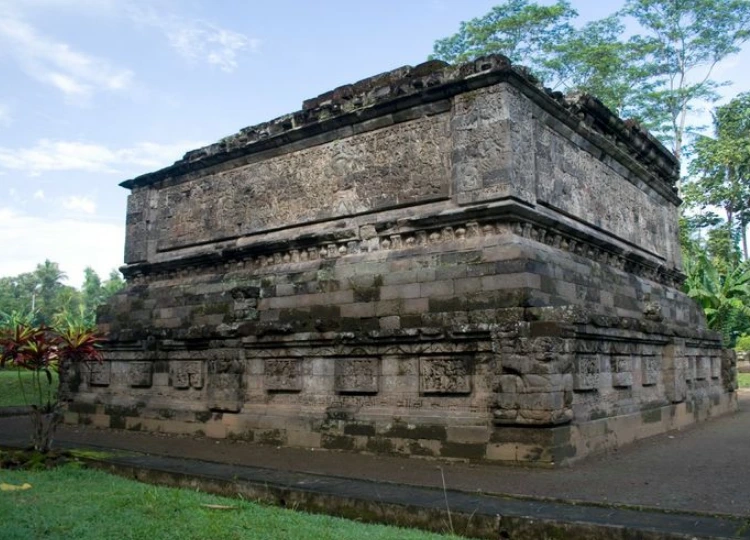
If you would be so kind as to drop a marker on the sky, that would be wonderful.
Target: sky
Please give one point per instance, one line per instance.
(94, 92)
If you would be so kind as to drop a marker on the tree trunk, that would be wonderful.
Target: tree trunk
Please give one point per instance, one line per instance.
(44, 424)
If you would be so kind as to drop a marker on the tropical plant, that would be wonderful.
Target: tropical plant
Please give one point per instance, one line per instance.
(724, 297)
(42, 351)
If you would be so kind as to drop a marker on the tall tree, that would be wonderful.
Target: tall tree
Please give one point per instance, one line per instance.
(720, 168)
(113, 285)
(598, 60)
(659, 75)
(92, 289)
(521, 30)
(688, 39)
(49, 279)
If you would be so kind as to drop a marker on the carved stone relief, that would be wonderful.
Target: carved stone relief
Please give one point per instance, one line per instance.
(187, 374)
(445, 375)
(586, 374)
(225, 389)
(283, 374)
(100, 374)
(650, 370)
(140, 374)
(357, 375)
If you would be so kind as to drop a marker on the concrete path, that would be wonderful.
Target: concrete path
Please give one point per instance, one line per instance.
(703, 469)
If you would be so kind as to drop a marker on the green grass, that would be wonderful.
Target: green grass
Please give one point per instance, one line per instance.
(744, 380)
(10, 389)
(75, 503)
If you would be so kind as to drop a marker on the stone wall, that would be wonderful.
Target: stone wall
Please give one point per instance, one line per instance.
(441, 261)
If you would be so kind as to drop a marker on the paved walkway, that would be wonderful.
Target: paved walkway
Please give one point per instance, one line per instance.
(703, 469)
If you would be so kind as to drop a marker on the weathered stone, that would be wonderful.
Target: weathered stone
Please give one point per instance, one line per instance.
(418, 263)
(357, 375)
(445, 375)
(283, 374)
(141, 374)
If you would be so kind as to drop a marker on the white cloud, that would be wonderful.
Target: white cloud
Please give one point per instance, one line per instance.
(76, 74)
(39, 194)
(77, 203)
(217, 46)
(49, 155)
(72, 243)
(196, 39)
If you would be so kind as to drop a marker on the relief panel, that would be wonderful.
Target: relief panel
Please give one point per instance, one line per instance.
(283, 374)
(586, 374)
(100, 374)
(399, 164)
(357, 375)
(622, 371)
(627, 212)
(650, 370)
(187, 374)
(140, 374)
(445, 375)
(225, 389)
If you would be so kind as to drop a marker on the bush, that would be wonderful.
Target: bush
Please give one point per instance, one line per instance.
(743, 344)
(42, 352)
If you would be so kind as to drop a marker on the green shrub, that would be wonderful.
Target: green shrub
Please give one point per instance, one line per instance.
(743, 343)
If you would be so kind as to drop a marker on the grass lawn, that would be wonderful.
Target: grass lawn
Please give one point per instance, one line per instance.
(744, 380)
(77, 503)
(10, 389)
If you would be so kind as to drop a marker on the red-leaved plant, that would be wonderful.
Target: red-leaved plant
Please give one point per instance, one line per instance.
(43, 351)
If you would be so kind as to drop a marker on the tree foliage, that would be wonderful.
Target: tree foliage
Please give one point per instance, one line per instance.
(720, 169)
(521, 30)
(41, 298)
(723, 296)
(688, 39)
(658, 75)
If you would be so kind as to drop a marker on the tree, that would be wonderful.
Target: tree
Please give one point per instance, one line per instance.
(49, 278)
(657, 76)
(521, 30)
(720, 169)
(725, 298)
(40, 297)
(113, 285)
(596, 60)
(688, 39)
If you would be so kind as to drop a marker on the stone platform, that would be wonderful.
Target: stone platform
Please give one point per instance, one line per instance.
(441, 260)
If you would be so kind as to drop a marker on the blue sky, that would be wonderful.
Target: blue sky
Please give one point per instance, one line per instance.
(93, 92)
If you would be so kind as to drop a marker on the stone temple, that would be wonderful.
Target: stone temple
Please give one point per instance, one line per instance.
(442, 261)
